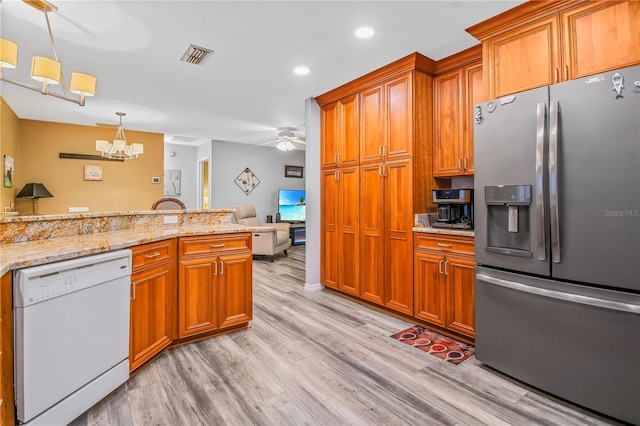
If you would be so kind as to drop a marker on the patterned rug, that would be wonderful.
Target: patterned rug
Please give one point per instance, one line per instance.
(436, 344)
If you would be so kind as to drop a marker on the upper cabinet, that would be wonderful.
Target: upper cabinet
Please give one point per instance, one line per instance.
(340, 131)
(455, 91)
(542, 43)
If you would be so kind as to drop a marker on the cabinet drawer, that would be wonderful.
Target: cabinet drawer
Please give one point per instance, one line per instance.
(445, 244)
(205, 246)
(153, 254)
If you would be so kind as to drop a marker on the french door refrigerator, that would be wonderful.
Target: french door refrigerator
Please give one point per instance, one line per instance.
(557, 233)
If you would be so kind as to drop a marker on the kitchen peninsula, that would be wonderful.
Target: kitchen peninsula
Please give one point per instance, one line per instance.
(191, 274)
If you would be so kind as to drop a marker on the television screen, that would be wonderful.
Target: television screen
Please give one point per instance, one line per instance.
(292, 205)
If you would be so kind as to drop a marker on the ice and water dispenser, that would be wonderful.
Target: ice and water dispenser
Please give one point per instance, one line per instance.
(508, 217)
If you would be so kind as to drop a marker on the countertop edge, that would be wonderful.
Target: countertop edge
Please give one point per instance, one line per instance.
(21, 255)
(444, 231)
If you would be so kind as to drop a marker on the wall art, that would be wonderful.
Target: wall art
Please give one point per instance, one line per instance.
(7, 175)
(293, 171)
(92, 172)
(247, 181)
(172, 182)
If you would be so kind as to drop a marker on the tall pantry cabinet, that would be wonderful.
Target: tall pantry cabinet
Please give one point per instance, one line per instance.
(368, 207)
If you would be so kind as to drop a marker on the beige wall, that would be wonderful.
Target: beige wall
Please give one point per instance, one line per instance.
(125, 185)
(9, 136)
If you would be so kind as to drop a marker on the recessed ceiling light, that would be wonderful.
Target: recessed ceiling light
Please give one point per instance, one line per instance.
(301, 70)
(364, 32)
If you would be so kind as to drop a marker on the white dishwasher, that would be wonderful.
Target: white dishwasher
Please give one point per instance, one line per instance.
(71, 322)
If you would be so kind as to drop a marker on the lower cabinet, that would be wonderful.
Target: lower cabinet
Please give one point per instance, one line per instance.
(215, 283)
(7, 411)
(444, 282)
(153, 301)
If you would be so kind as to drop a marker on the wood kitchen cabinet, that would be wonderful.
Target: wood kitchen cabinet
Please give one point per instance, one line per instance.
(455, 92)
(444, 282)
(7, 410)
(367, 210)
(542, 43)
(339, 132)
(386, 221)
(215, 283)
(340, 230)
(153, 300)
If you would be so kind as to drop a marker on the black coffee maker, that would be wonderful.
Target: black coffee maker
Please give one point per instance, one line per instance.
(455, 208)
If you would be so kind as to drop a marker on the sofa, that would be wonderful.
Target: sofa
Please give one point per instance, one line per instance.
(269, 239)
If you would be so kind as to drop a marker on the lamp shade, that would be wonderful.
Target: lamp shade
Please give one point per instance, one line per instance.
(82, 84)
(8, 53)
(46, 70)
(34, 190)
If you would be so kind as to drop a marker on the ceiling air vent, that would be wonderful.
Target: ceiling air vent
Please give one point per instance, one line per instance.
(195, 54)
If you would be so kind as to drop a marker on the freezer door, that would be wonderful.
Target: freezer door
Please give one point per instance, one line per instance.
(577, 342)
(509, 143)
(598, 179)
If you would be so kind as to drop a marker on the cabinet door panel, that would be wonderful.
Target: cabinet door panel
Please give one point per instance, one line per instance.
(372, 260)
(474, 91)
(600, 36)
(398, 209)
(152, 314)
(329, 135)
(349, 231)
(399, 112)
(349, 152)
(371, 124)
(524, 58)
(461, 277)
(198, 296)
(329, 258)
(447, 130)
(234, 280)
(430, 289)
(7, 411)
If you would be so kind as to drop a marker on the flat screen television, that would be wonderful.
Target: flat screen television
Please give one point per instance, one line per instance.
(292, 205)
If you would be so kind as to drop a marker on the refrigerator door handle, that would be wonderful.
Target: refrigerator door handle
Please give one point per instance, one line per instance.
(567, 297)
(553, 182)
(540, 210)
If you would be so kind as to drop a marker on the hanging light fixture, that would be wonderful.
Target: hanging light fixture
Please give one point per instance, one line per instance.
(119, 148)
(46, 70)
(285, 145)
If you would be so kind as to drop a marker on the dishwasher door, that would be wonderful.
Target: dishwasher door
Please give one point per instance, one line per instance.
(71, 335)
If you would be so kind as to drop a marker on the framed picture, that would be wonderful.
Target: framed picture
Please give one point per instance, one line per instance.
(172, 182)
(92, 172)
(7, 176)
(293, 171)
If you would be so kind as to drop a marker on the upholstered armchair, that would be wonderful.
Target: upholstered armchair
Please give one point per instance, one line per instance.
(268, 238)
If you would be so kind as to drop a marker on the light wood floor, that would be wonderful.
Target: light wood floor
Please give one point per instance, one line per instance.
(320, 359)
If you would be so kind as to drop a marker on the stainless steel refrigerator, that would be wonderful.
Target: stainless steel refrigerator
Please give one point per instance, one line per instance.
(557, 233)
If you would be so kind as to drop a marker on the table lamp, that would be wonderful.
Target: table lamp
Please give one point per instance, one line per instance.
(34, 191)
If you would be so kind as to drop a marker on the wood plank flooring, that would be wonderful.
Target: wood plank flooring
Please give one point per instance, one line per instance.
(321, 359)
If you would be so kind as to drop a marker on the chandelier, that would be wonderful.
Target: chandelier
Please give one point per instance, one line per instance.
(46, 70)
(119, 148)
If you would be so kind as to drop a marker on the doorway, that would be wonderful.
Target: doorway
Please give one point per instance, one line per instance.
(203, 184)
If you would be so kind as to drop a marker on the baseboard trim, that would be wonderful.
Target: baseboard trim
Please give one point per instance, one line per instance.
(313, 287)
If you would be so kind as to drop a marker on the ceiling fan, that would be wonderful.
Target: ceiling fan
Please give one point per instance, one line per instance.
(286, 140)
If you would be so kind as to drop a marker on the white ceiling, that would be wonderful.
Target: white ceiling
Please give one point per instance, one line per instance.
(246, 89)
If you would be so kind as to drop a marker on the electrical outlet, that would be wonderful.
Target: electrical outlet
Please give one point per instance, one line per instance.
(170, 219)
(78, 209)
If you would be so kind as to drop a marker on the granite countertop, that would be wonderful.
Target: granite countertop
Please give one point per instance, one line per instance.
(31, 253)
(445, 231)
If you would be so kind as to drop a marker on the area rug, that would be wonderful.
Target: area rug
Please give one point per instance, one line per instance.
(436, 344)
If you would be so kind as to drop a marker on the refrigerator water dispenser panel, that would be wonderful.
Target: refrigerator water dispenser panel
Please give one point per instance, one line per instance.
(508, 219)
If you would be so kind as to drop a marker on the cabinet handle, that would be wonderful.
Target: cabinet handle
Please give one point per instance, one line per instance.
(338, 177)
(338, 158)
(133, 297)
(215, 270)
(566, 72)
(221, 267)
(380, 150)
(384, 150)
(465, 163)
(445, 268)
(151, 256)
(460, 163)
(217, 245)
(444, 245)
(440, 266)
(556, 75)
